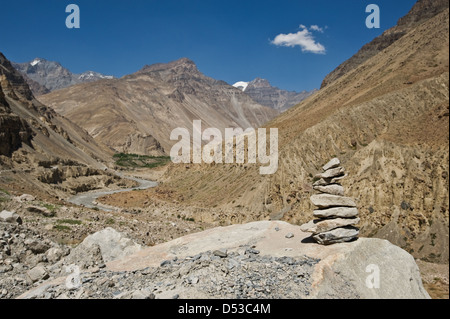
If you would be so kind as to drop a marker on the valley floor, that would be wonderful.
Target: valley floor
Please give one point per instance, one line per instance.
(149, 218)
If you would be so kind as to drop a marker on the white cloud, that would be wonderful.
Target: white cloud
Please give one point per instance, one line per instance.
(303, 38)
(316, 28)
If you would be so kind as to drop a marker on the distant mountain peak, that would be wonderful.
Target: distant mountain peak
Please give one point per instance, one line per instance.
(185, 63)
(36, 61)
(45, 76)
(241, 85)
(261, 91)
(91, 75)
(261, 83)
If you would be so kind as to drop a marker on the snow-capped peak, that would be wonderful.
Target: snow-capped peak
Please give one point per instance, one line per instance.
(241, 85)
(89, 75)
(35, 61)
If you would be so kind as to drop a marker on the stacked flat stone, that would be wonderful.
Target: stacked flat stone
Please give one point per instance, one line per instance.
(336, 214)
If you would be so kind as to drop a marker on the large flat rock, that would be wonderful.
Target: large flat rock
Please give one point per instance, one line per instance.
(340, 273)
(113, 245)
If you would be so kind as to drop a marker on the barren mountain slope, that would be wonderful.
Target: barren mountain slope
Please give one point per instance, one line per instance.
(388, 122)
(137, 113)
(422, 10)
(41, 151)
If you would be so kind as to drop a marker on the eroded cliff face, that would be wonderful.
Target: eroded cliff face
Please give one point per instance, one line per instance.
(13, 130)
(422, 11)
(36, 144)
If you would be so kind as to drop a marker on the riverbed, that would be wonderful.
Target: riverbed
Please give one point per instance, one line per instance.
(89, 199)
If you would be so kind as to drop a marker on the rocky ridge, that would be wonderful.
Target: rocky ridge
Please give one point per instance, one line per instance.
(41, 151)
(422, 11)
(46, 76)
(261, 91)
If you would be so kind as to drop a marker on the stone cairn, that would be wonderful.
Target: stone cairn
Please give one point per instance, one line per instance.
(336, 214)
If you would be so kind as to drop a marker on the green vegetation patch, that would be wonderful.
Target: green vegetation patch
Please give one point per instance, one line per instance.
(4, 196)
(140, 161)
(51, 207)
(61, 228)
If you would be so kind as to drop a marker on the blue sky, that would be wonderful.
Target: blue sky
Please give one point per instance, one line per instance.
(229, 40)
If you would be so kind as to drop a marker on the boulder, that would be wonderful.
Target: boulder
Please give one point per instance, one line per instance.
(113, 245)
(37, 247)
(41, 211)
(222, 253)
(10, 217)
(56, 253)
(326, 201)
(25, 198)
(85, 256)
(37, 273)
(142, 294)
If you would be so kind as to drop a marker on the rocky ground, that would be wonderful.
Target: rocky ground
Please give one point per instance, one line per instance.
(67, 224)
(108, 265)
(435, 279)
(46, 239)
(236, 276)
(27, 259)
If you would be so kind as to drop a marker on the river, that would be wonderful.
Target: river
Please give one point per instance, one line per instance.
(89, 199)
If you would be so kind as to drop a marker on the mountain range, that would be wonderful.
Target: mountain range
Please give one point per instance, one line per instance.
(261, 91)
(42, 152)
(138, 112)
(46, 76)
